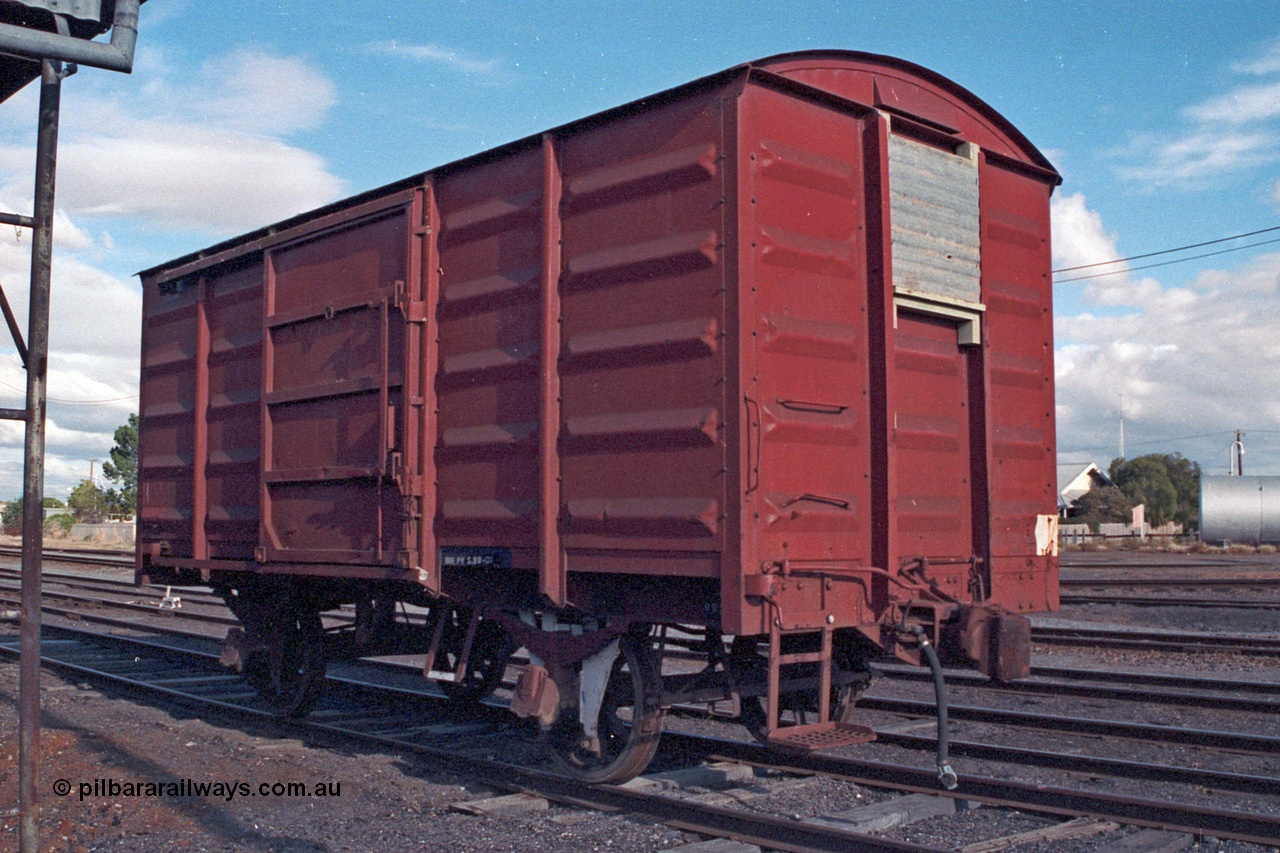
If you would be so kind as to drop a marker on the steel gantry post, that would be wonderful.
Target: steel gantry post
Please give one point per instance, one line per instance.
(33, 460)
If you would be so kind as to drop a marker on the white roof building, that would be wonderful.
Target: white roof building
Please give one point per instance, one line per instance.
(1075, 479)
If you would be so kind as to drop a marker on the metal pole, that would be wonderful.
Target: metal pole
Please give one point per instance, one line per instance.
(33, 465)
(116, 56)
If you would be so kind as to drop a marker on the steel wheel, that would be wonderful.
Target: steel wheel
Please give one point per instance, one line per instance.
(630, 721)
(289, 674)
(487, 663)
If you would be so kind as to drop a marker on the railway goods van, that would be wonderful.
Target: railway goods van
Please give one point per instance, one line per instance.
(756, 372)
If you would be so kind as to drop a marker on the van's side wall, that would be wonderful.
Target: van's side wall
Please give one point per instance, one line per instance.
(790, 318)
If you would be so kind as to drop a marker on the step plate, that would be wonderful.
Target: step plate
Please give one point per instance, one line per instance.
(820, 736)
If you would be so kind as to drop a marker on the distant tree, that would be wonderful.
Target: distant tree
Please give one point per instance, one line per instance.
(88, 503)
(123, 469)
(1101, 505)
(11, 519)
(1185, 477)
(1167, 483)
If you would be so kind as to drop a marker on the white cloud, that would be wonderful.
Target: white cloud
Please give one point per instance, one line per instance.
(1248, 103)
(207, 154)
(1080, 240)
(1203, 154)
(1078, 237)
(215, 180)
(1183, 362)
(260, 93)
(1268, 62)
(1228, 133)
(488, 71)
(206, 151)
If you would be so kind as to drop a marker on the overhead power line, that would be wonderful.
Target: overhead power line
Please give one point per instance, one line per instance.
(1170, 251)
(1168, 263)
(75, 402)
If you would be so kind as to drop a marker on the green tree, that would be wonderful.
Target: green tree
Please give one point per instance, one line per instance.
(1167, 483)
(1100, 505)
(88, 503)
(123, 469)
(1185, 476)
(11, 519)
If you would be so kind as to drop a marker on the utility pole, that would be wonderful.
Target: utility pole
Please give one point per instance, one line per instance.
(1235, 463)
(1122, 426)
(55, 32)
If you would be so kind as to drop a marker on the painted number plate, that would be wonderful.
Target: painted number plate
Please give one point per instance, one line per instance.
(475, 558)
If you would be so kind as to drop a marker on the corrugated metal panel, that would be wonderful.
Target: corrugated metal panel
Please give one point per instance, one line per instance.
(1018, 356)
(809, 326)
(641, 368)
(233, 308)
(932, 492)
(84, 10)
(934, 212)
(333, 353)
(166, 423)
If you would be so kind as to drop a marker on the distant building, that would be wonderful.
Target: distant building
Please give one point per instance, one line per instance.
(1074, 480)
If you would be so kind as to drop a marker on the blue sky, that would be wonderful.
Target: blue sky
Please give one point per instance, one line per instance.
(1164, 120)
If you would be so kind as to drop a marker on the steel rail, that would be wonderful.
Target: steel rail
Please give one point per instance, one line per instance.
(1261, 744)
(1166, 601)
(1076, 560)
(1137, 687)
(958, 678)
(130, 606)
(1157, 641)
(1190, 583)
(1047, 634)
(86, 556)
(100, 619)
(776, 832)
(195, 595)
(1219, 780)
(113, 588)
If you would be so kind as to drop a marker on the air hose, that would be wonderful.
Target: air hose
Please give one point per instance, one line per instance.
(946, 775)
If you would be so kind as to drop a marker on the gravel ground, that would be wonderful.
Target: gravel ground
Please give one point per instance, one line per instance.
(376, 801)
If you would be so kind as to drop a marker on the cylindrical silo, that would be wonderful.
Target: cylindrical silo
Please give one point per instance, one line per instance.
(1240, 509)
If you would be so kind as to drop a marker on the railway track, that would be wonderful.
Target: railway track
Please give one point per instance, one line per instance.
(1125, 685)
(193, 677)
(1147, 688)
(1053, 681)
(1165, 641)
(1170, 601)
(1046, 681)
(1131, 581)
(1158, 641)
(1144, 688)
(1137, 560)
(85, 556)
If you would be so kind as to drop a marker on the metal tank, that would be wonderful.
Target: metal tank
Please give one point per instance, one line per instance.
(1240, 509)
